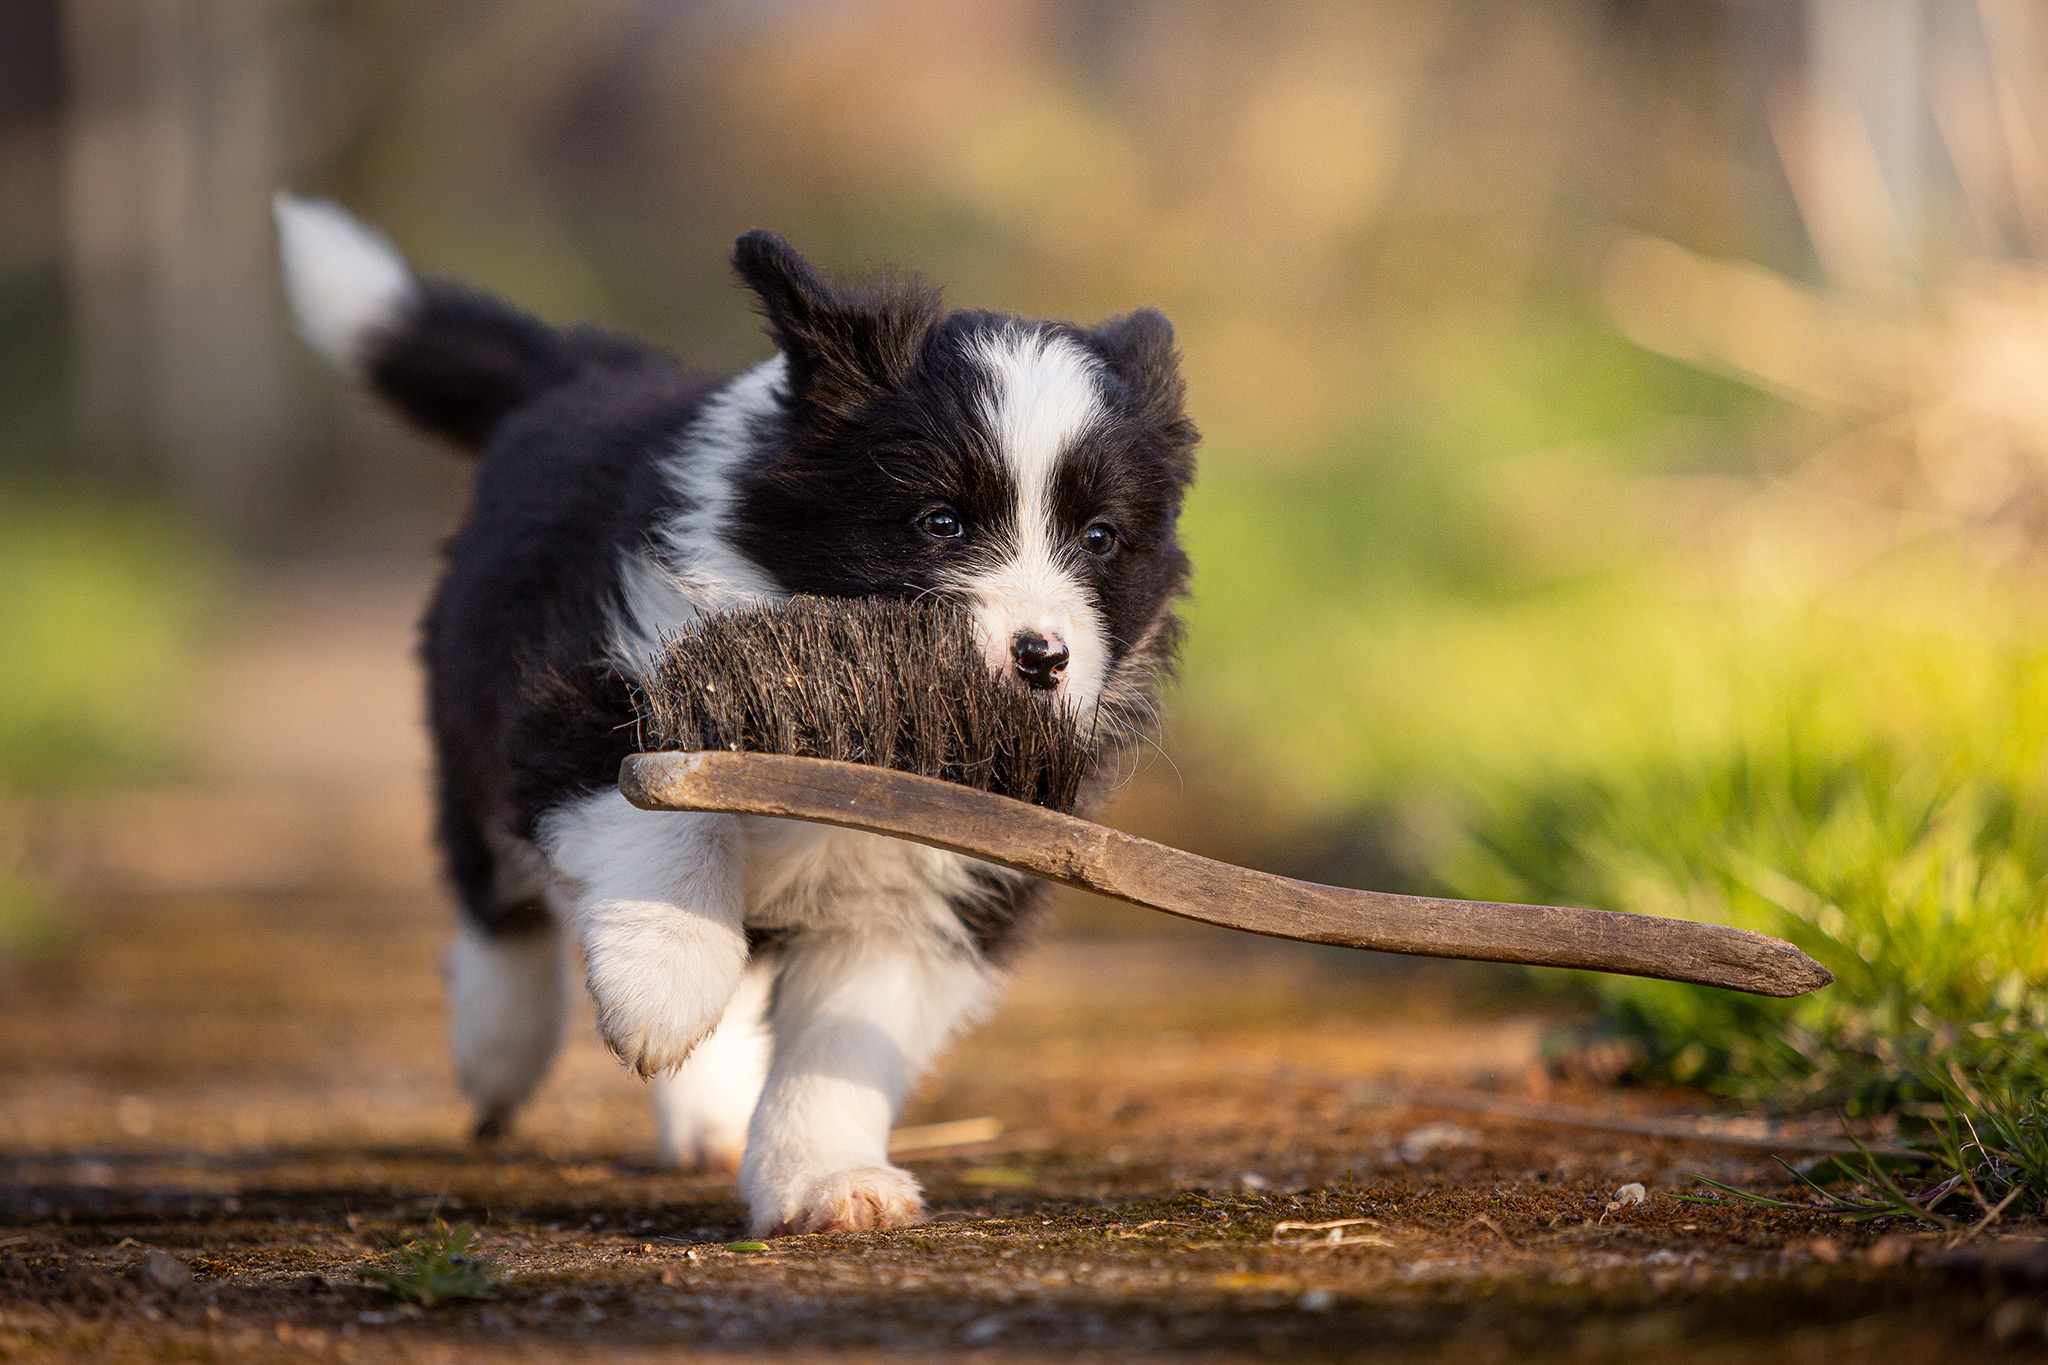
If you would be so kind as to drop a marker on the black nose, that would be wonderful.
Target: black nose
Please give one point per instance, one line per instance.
(1039, 660)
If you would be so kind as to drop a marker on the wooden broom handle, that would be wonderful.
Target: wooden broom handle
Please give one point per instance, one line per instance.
(1079, 853)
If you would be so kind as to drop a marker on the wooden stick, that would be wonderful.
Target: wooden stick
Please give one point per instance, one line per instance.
(1078, 853)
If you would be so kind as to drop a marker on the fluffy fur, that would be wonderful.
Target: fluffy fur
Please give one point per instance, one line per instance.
(1029, 472)
(347, 283)
(702, 1108)
(506, 1002)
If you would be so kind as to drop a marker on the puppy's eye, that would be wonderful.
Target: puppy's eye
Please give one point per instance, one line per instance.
(1099, 539)
(941, 525)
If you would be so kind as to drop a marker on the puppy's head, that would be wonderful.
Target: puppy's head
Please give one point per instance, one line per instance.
(1032, 470)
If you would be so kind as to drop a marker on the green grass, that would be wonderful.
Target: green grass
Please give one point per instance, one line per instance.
(99, 623)
(30, 923)
(1860, 767)
(436, 1269)
(1911, 865)
(97, 638)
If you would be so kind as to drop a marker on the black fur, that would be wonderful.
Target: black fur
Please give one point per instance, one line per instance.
(460, 362)
(525, 707)
(846, 345)
(1000, 909)
(581, 465)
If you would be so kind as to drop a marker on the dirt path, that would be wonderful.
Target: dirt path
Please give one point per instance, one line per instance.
(235, 1057)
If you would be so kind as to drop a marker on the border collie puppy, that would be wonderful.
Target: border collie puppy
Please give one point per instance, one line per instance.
(783, 983)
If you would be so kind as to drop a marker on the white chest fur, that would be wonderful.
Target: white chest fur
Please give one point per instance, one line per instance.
(801, 876)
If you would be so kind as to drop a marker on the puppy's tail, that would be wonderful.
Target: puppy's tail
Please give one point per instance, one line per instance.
(453, 361)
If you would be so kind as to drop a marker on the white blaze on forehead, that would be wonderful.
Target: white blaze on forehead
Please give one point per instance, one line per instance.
(1043, 394)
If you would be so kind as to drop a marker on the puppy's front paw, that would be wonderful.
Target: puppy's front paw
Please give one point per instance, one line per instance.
(651, 1013)
(846, 1201)
(644, 1040)
(708, 1158)
(692, 1140)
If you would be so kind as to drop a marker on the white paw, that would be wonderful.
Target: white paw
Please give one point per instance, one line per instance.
(706, 1156)
(657, 905)
(844, 1201)
(657, 997)
(698, 1125)
(505, 998)
(701, 1111)
(647, 1023)
(649, 1040)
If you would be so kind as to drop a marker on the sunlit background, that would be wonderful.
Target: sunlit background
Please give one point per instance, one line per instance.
(1625, 476)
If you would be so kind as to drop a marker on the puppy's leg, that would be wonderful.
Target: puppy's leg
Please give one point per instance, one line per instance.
(657, 901)
(854, 1021)
(701, 1110)
(505, 1001)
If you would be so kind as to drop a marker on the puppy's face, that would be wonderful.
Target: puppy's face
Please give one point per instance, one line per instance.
(1034, 471)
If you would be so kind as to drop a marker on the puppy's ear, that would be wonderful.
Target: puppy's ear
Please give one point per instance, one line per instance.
(1138, 348)
(844, 343)
(1142, 332)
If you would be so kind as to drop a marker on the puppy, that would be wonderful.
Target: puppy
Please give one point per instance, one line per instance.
(782, 983)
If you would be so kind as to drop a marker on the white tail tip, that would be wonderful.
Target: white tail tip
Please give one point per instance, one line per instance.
(345, 280)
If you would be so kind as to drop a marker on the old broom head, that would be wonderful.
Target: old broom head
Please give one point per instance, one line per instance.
(890, 684)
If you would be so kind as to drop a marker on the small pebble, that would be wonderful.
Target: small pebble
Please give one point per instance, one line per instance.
(1432, 1138)
(1631, 1193)
(1826, 1250)
(161, 1272)
(88, 1284)
(1316, 1301)
(982, 1331)
(2014, 1319)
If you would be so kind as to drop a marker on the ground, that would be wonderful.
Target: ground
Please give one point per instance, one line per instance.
(233, 1053)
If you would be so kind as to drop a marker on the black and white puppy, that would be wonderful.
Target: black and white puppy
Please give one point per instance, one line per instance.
(782, 983)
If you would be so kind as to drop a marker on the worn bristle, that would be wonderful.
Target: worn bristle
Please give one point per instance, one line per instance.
(864, 680)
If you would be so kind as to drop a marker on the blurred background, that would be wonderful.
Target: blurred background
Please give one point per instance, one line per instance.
(1625, 477)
